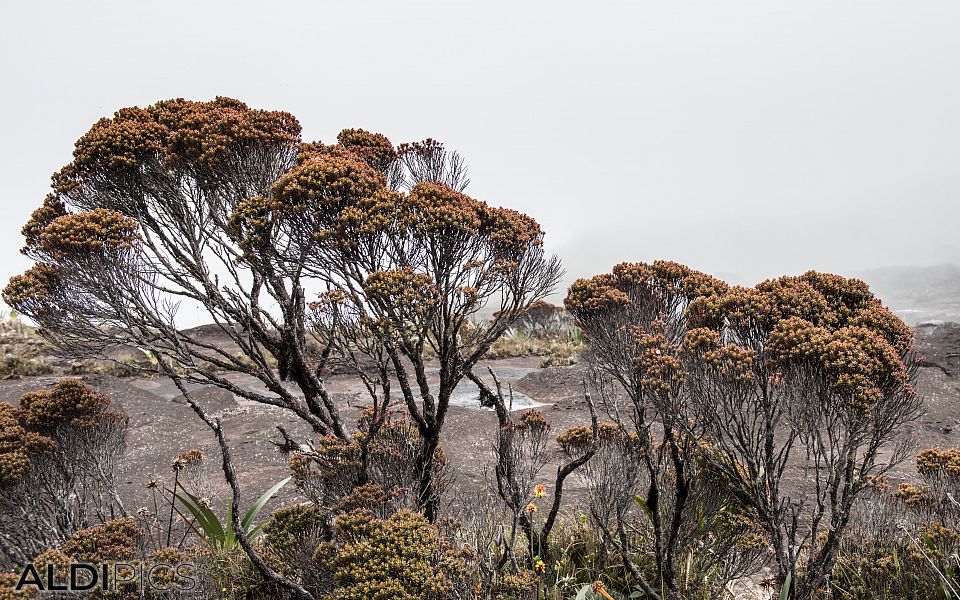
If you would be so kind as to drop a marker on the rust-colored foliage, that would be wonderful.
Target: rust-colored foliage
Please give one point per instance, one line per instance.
(374, 148)
(69, 402)
(938, 462)
(117, 539)
(825, 321)
(43, 427)
(29, 430)
(576, 440)
(93, 232)
(35, 291)
(17, 444)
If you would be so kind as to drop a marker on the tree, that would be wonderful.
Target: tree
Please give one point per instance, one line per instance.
(634, 320)
(808, 372)
(224, 206)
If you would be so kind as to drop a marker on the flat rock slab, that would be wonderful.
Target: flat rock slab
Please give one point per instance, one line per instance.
(211, 399)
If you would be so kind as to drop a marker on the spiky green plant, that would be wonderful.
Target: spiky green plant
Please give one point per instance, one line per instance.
(221, 535)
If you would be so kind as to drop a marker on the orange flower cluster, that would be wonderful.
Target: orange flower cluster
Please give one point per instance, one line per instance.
(844, 295)
(915, 496)
(937, 462)
(878, 318)
(95, 232)
(656, 361)
(34, 290)
(863, 365)
(374, 148)
(822, 320)
(629, 281)
(324, 184)
(510, 232)
(180, 133)
(735, 363)
(530, 421)
(113, 540)
(17, 444)
(576, 439)
(371, 497)
(250, 224)
(332, 458)
(407, 296)
(51, 208)
(599, 293)
(441, 211)
(123, 142)
(860, 364)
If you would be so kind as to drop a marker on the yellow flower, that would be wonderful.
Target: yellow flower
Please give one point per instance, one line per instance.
(540, 491)
(531, 508)
(599, 589)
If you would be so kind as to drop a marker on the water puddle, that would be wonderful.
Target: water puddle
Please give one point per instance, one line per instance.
(465, 395)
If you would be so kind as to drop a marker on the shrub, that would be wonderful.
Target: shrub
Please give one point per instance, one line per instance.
(904, 544)
(141, 180)
(291, 537)
(399, 557)
(385, 456)
(768, 370)
(114, 540)
(58, 452)
(646, 496)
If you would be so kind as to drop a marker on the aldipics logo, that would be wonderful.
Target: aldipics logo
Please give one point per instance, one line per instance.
(113, 576)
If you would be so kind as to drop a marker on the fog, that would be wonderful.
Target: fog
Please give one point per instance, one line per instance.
(747, 139)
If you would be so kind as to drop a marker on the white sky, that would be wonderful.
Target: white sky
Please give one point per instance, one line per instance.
(745, 138)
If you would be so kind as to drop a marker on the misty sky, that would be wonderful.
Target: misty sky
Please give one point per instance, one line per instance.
(747, 139)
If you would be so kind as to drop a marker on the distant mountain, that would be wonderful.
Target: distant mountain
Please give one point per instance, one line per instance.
(918, 294)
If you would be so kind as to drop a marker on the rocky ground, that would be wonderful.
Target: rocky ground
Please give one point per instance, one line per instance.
(162, 425)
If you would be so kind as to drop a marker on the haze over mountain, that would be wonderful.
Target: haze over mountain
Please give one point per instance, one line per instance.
(918, 294)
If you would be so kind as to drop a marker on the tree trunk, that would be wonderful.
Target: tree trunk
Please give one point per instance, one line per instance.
(427, 489)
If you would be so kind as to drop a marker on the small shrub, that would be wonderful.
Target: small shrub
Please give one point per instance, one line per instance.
(399, 557)
(291, 537)
(904, 544)
(58, 451)
(388, 458)
(118, 539)
(15, 367)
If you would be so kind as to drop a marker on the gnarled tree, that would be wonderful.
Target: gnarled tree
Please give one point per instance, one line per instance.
(810, 374)
(634, 320)
(225, 207)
